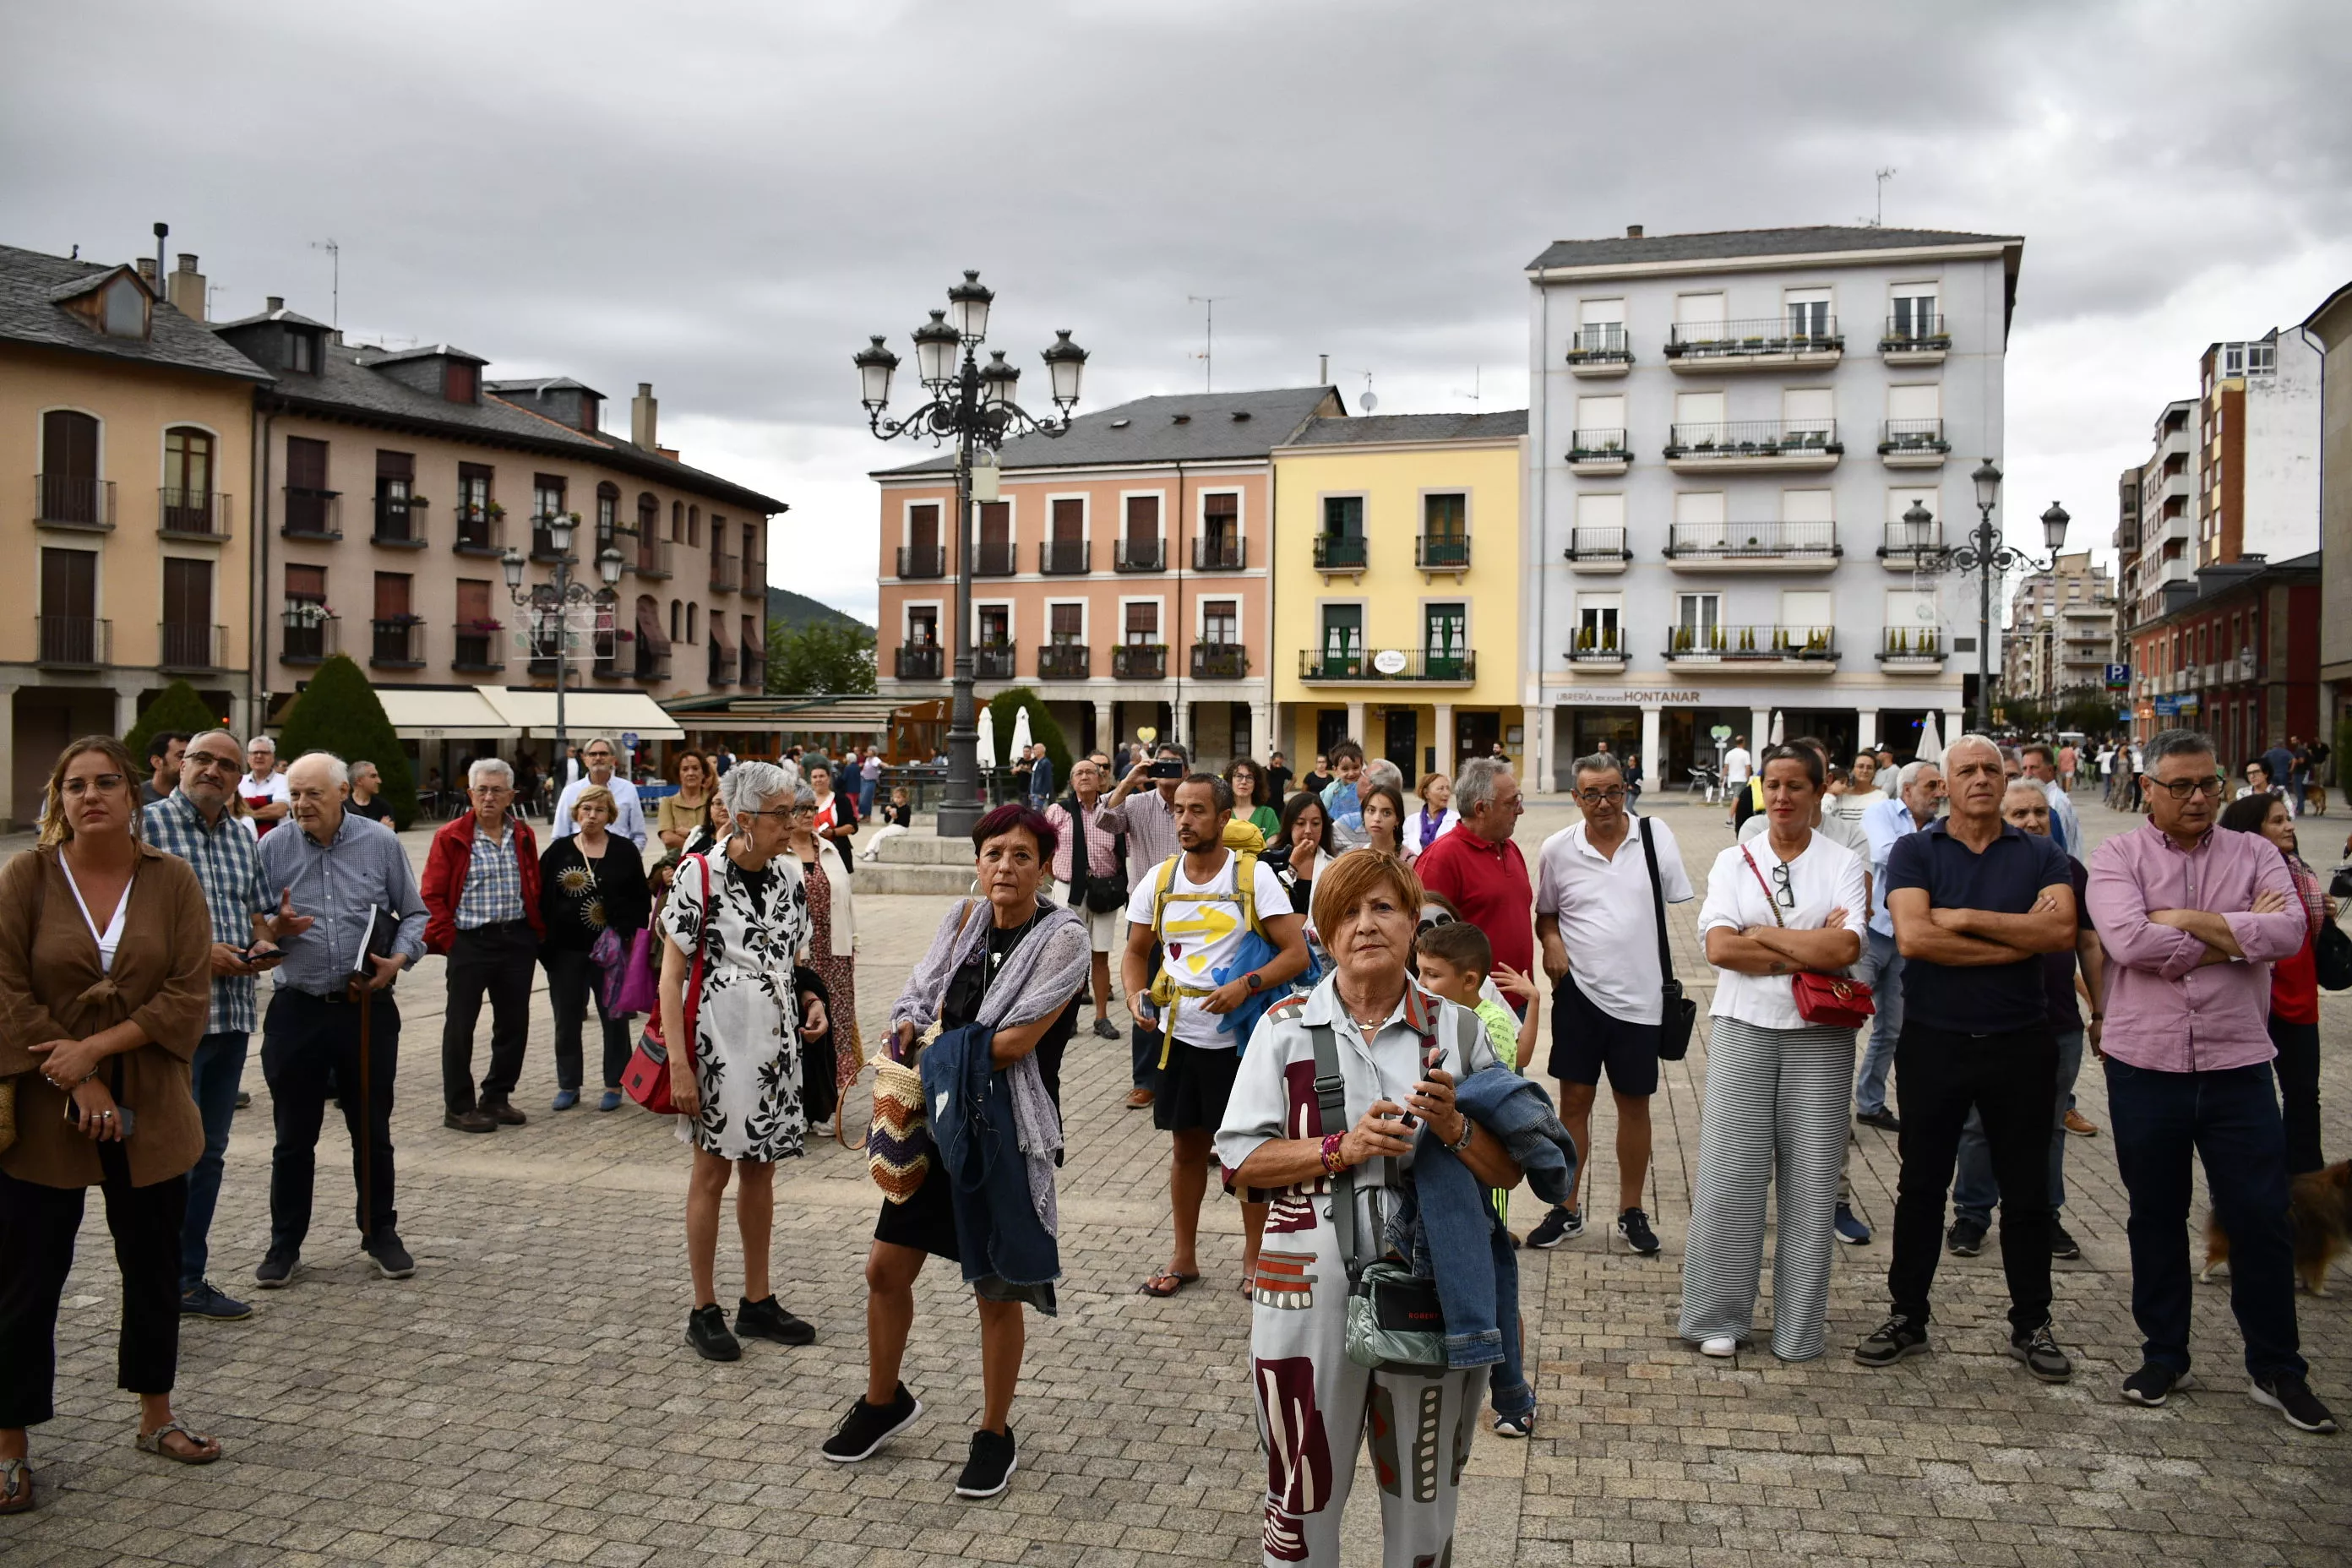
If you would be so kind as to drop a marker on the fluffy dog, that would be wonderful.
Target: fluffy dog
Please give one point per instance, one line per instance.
(2319, 1211)
(2314, 800)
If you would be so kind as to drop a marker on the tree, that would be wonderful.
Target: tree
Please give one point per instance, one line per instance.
(338, 712)
(820, 659)
(176, 707)
(1000, 710)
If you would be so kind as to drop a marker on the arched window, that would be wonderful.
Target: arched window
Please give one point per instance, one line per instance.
(694, 622)
(693, 527)
(188, 481)
(677, 619)
(69, 485)
(676, 521)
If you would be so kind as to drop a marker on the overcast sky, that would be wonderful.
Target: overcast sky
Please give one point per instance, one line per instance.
(725, 201)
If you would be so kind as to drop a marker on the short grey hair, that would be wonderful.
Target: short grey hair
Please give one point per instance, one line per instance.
(261, 743)
(605, 741)
(1973, 739)
(2036, 785)
(480, 765)
(1910, 773)
(748, 786)
(1381, 771)
(1473, 787)
(336, 769)
(1598, 763)
(2178, 744)
(805, 799)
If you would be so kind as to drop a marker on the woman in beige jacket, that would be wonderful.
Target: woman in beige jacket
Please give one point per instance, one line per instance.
(106, 957)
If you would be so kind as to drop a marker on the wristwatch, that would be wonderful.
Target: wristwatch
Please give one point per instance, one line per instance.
(1254, 982)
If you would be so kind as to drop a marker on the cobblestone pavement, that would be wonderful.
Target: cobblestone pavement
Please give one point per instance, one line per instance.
(527, 1398)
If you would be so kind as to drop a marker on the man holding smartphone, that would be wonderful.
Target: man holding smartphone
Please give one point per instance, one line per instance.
(193, 823)
(1143, 807)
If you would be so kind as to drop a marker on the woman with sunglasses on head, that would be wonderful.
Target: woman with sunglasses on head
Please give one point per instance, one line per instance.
(1788, 900)
(106, 963)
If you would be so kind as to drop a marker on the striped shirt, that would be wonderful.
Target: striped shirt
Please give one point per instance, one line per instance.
(227, 860)
(493, 891)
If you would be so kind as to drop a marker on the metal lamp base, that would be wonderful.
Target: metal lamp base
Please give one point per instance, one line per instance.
(958, 821)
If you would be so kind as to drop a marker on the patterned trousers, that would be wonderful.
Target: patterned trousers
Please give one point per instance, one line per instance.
(1315, 1406)
(1775, 1111)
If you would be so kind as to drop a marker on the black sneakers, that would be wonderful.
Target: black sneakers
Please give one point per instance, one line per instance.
(867, 1427)
(2291, 1397)
(391, 1259)
(767, 1321)
(1561, 1225)
(2152, 1385)
(2038, 1349)
(1966, 1238)
(705, 1331)
(2061, 1244)
(1883, 1118)
(1892, 1341)
(989, 1469)
(1634, 1227)
(278, 1268)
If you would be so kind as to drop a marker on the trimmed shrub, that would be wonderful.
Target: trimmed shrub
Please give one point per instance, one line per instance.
(178, 707)
(338, 712)
(1000, 712)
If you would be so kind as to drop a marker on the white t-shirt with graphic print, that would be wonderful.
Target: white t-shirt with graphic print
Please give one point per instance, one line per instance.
(1201, 936)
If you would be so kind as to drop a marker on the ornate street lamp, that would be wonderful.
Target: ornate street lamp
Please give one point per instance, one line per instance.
(1988, 554)
(972, 406)
(553, 604)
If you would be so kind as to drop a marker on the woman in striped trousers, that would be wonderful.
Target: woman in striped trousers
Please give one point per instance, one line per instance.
(1775, 1091)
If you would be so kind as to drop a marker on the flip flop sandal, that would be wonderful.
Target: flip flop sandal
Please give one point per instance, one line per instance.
(15, 1486)
(153, 1443)
(1150, 1287)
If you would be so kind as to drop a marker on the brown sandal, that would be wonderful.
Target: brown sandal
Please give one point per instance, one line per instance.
(15, 1486)
(205, 1448)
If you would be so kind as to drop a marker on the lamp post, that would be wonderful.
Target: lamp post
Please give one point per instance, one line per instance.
(1988, 554)
(972, 406)
(567, 594)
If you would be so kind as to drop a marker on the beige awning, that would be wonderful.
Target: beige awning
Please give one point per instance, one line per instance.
(461, 715)
(585, 713)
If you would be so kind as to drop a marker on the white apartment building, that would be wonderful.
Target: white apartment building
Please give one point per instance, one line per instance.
(2258, 449)
(1726, 432)
(2061, 630)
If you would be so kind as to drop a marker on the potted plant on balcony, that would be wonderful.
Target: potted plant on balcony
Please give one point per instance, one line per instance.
(495, 512)
(418, 500)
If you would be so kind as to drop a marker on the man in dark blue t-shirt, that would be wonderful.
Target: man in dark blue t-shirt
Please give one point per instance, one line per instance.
(1976, 903)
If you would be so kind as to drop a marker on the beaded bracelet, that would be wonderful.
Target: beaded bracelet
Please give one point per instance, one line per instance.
(1332, 1163)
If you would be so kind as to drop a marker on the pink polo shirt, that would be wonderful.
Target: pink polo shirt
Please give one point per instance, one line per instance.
(2166, 1013)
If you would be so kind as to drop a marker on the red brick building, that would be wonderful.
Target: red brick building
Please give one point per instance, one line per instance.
(2239, 661)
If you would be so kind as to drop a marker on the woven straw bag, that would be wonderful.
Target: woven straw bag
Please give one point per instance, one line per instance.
(898, 1145)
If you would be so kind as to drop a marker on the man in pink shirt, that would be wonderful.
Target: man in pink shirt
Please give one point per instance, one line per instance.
(2192, 916)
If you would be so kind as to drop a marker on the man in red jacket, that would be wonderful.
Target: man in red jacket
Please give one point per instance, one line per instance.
(481, 905)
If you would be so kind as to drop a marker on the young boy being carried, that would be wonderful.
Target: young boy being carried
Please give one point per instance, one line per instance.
(1341, 802)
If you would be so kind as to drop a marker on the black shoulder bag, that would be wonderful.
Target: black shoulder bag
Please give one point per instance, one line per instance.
(1101, 895)
(1679, 1014)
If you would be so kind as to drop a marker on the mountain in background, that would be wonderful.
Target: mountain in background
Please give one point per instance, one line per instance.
(798, 610)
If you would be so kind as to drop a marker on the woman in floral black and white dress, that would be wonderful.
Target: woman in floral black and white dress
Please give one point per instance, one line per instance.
(740, 1106)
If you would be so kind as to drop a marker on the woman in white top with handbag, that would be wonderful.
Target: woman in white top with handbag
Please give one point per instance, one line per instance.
(1783, 921)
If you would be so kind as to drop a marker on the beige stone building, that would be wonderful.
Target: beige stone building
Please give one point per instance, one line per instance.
(2061, 630)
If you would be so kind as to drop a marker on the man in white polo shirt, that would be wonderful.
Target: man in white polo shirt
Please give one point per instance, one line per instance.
(1597, 917)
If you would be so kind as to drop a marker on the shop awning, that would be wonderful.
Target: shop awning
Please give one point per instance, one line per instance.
(649, 628)
(585, 713)
(460, 715)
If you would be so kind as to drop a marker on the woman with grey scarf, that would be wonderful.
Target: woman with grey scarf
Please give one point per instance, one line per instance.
(1013, 963)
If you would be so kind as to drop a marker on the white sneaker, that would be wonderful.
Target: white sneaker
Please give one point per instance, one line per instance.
(1723, 1347)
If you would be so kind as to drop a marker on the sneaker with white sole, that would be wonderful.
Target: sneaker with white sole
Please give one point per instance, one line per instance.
(1523, 1425)
(1561, 1225)
(1849, 1229)
(989, 1468)
(1634, 1229)
(2038, 1349)
(1723, 1347)
(2291, 1397)
(867, 1427)
(2152, 1385)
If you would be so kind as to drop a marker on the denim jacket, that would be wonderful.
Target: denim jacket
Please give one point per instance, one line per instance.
(1003, 1240)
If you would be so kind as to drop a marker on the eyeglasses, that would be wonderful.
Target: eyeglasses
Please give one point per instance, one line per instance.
(1600, 796)
(104, 784)
(2181, 789)
(1784, 891)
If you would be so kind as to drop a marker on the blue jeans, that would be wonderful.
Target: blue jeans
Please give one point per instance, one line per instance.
(1886, 1025)
(1974, 1191)
(864, 799)
(2230, 1118)
(213, 1078)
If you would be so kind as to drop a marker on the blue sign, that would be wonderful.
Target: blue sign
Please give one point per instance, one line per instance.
(2119, 677)
(629, 740)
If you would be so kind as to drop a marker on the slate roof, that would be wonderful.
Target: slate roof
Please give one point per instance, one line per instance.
(291, 318)
(423, 350)
(1378, 427)
(1194, 426)
(1727, 243)
(530, 385)
(33, 286)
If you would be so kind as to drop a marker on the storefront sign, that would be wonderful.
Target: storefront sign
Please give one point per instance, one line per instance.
(1583, 697)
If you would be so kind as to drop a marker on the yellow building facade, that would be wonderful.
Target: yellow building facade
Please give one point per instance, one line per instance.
(1397, 589)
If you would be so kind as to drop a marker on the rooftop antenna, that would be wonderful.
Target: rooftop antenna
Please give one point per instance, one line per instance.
(1879, 220)
(1476, 374)
(334, 254)
(1371, 400)
(1207, 356)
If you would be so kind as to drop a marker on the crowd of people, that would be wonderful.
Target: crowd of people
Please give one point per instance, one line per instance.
(1334, 995)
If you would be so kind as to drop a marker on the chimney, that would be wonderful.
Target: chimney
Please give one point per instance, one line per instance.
(147, 271)
(1633, 231)
(1322, 370)
(642, 410)
(275, 303)
(186, 288)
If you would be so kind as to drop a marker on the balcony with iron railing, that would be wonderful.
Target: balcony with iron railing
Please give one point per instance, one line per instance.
(1599, 350)
(1597, 549)
(720, 665)
(1442, 552)
(1218, 552)
(1064, 661)
(726, 574)
(191, 647)
(653, 557)
(74, 642)
(1913, 444)
(1140, 555)
(477, 649)
(1761, 546)
(69, 500)
(542, 535)
(399, 522)
(313, 513)
(311, 632)
(477, 531)
(397, 642)
(1757, 343)
(922, 561)
(917, 661)
(1804, 648)
(994, 560)
(992, 661)
(1597, 646)
(607, 662)
(191, 514)
(1911, 649)
(1598, 451)
(1911, 546)
(1140, 661)
(1342, 553)
(1918, 339)
(1064, 557)
(1219, 661)
(751, 668)
(1753, 444)
(651, 669)
(1406, 666)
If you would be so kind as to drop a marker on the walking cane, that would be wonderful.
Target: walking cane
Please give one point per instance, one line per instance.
(365, 1136)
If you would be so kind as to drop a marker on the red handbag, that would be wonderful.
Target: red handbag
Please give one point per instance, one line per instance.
(1824, 1001)
(646, 1077)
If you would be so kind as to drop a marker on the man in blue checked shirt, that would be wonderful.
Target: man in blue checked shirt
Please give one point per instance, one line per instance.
(193, 823)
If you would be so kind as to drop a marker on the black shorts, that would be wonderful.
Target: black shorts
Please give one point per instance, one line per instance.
(1194, 1088)
(1584, 1040)
(926, 1221)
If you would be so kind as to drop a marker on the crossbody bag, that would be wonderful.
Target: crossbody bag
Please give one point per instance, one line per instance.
(1677, 1014)
(647, 1079)
(1824, 1001)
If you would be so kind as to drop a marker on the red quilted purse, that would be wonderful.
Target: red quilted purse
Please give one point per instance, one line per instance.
(1824, 1001)
(646, 1077)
